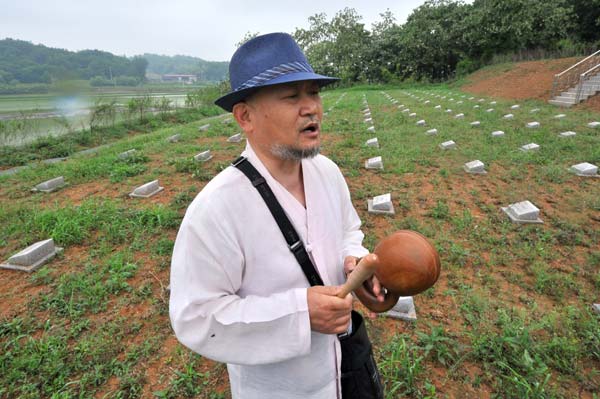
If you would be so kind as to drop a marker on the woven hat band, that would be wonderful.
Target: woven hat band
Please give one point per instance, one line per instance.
(272, 73)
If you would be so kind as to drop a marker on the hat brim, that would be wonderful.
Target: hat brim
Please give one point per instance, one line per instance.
(229, 100)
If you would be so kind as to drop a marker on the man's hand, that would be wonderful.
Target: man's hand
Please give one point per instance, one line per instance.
(328, 313)
(372, 284)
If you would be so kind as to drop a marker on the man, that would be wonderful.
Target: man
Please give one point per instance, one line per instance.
(238, 295)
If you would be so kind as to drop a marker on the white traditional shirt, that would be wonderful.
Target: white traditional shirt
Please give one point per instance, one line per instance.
(238, 295)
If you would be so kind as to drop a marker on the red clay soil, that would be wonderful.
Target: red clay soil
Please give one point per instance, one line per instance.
(523, 80)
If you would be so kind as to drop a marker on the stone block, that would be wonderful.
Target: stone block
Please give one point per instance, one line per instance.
(374, 163)
(426, 102)
(227, 121)
(431, 132)
(594, 125)
(489, 110)
(204, 128)
(585, 169)
(127, 154)
(493, 103)
(459, 116)
(448, 145)
(421, 122)
(236, 138)
(32, 257)
(412, 114)
(533, 111)
(497, 133)
(381, 204)
(372, 143)
(475, 124)
(523, 212)
(405, 110)
(533, 125)
(567, 134)
(404, 309)
(559, 116)
(508, 116)
(147, 190)
(438, 107)
(174, 139)
(596, 308)
(516, 106)
(476, 106)
(50, 185)
(371, 129)
(481, 100)
(368, 120)
(203, 156)
(530, 147)
(448, 111)
(475, 167)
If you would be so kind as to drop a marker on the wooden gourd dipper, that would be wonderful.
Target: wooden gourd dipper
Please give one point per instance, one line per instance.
(405, 263)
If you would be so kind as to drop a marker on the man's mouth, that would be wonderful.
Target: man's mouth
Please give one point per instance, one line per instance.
(310, 128)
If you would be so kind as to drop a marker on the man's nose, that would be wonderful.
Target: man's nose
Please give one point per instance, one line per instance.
(310, 104)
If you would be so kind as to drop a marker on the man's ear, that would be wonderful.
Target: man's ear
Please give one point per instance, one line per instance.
(242, 114)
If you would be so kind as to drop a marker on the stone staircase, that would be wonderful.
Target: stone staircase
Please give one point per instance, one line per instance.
(578, 82)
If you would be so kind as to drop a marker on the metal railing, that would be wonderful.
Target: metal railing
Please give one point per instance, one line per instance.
(585, 77)
(572, 75)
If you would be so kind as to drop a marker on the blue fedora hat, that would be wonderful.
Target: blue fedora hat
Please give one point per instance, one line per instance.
(264, 61)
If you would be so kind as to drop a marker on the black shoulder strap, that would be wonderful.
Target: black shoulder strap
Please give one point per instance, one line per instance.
(289, 233)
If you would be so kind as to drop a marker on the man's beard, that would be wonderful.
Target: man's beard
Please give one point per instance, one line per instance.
(289, 153)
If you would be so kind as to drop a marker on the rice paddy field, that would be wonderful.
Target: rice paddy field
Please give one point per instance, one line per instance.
(510, 317)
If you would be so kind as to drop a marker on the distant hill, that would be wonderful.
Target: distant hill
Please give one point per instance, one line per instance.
(213, 71)
(24, 62)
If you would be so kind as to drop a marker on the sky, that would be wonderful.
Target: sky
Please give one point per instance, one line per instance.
(204, 29)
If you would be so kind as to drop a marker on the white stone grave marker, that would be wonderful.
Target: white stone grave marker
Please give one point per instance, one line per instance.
(404, 309)
(371, 129)
(372, 142)
(438, 107)
(368, 120)
(127, 154)
(174, 139)
(530, 147)
(596, 308)
(448, 111)
(559, 116)
(448, 145)
(508, 116)
(229, 120)
(489, 110)
(50, 185)
(585, 169)
(374, 163)
(567, 134)
(204, 128)
(147, 190)
(421, 122)
(497, 133)
(32, 257)
(475, 106)
(412, 114)
(523, 212)
(533, 125)
(236, 138)
(431, 132)
(203, 156)
(406, 110)
(533, 111)
(475, 124)
(475, 167)
(459, 116)
(594, 125)
(516, 106)
(493, 103)
(381, 204)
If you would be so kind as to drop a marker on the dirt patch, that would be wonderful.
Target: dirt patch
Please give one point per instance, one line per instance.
(523, 80)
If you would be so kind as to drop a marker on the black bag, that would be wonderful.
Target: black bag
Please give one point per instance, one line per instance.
(360, 377)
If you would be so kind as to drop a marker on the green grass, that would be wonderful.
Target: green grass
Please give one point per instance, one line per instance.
(509, 318)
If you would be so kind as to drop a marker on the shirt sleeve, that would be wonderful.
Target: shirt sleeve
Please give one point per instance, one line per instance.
(353, 236)
(207, 314)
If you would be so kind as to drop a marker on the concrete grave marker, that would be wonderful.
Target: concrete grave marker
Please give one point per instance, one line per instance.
(236, 138)
(459, 116)
(475, 106)
(431, 132)
(404, 309)
(372, 143)
(421, 122)
(371, 129)
(481, 100)
(475, 167)
(448, 145)
(459, 102)
(489, 110)
(497, 133)
(204, 128)
(559, 116)
(594, 125)
(508, 116)
(50, 185)
(493, 103)
(438, 107)
(471, 98)
(427, 102)
(533, 125)
(516, 106)
(406, 110)
(381, 204)
(475, 124)
(127, 154)
(530, 147)
(533, 111)
(32, 257)
(412, 114)
(596, 308)
(448, 111)
(567, 134)
(203, 156)
(374, 163)
(523, 212)
(147, 190)
(174, 139)
(229, 120)
(585, 169)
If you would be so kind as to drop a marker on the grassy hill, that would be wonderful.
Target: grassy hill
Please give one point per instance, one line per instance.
(510, 316)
